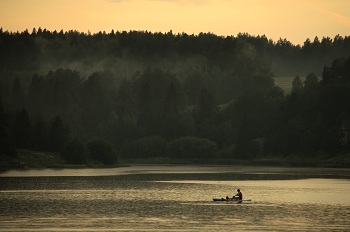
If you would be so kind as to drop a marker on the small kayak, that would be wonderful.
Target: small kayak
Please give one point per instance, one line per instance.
(231, 200)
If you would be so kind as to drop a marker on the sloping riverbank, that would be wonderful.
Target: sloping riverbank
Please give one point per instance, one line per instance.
(33, 159)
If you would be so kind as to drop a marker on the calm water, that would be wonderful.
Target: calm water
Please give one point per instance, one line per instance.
(175, 198)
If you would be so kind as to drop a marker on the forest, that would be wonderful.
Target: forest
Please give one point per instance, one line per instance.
(129, 95)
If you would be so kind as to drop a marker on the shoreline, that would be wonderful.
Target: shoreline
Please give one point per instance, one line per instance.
(27, 159)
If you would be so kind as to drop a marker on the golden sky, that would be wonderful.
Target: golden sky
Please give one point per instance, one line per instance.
(295, 20)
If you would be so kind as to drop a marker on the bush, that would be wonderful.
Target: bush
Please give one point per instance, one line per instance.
(227, 152)
(192, 148)
(331, 143)
(74, 152)
(102, 151)
(148, 147)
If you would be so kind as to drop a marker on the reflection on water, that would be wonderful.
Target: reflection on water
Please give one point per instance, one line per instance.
(170, 199)
(256, 172)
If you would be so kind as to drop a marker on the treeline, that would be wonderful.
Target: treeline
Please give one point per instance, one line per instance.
(149, 116)
(20, 131)
(173, 101)
(126, 52)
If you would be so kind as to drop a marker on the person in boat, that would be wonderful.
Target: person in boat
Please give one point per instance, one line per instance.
(238, 196)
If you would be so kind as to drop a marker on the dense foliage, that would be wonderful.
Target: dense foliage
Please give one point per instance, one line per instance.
(102, 151)
(143, 95)
(192, 147)
(75, 151)
(126, 52)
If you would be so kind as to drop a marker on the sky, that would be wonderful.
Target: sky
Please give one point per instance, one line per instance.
(294, 20)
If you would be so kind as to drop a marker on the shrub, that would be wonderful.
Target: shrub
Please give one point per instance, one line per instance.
(148, 147)
(192, 148)
(74, 152)
(102, 151)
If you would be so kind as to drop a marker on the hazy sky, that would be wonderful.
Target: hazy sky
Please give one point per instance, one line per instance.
(295, 20)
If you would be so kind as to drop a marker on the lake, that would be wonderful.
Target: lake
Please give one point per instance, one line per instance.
(175, 198)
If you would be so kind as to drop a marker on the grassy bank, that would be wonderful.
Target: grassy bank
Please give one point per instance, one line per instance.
(33, 159)
(290, 161)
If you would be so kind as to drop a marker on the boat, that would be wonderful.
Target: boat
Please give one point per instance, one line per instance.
(231, 200)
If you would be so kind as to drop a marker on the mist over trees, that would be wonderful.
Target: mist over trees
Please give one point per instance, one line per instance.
(139, 94)
(125, 52)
